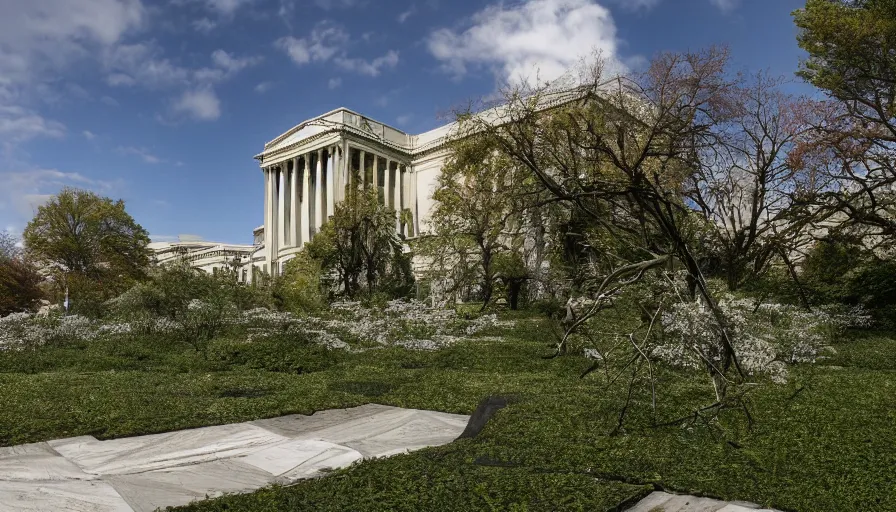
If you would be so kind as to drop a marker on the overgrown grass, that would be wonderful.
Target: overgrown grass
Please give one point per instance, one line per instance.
(823, 442)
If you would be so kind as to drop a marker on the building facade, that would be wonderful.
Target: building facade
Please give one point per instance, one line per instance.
(307, 169)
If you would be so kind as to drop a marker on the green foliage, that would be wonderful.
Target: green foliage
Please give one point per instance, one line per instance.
(478, 222)
(89, 243)
(360, 246)
(852, 52)
(300, 286)
(840, 270)
(283, 353)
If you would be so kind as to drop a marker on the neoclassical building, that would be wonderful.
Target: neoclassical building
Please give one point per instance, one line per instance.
(306, 171)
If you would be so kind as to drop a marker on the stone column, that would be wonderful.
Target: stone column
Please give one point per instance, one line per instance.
(281, 207)
(266, 172)
(346, 162)
(296, 201)
(375, 176)
(386, 190)
(318, 191)
(396, 201)
(412, 203)
(306, 203)
(287, 206)
(363, 173)
(274, 236)
(330, 185)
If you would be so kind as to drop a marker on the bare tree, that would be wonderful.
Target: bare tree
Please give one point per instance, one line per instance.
(621, 153)
(745, 186)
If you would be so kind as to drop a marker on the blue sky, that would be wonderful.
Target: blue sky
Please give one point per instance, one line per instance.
(163, 103)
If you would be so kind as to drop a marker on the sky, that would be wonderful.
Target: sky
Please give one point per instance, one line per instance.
(164, 103)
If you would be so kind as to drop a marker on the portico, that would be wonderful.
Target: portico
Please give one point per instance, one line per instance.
(307, 171)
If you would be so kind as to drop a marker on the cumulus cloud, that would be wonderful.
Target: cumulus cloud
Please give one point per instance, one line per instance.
(89, 135)
(199, 104)
(369, 68)
(40, 36)
(325, 40)
(520, 41)
(328, 41)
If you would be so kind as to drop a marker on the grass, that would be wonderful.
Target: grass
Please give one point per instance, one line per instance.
(823, 442)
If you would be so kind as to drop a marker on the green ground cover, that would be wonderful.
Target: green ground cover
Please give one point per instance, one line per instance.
(822, 442)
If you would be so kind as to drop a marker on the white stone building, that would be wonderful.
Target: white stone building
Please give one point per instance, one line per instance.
(307, 169)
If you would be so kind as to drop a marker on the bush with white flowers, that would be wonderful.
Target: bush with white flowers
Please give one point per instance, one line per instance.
(766, 336)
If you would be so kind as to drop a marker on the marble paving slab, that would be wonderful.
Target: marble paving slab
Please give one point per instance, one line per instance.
(145, 492)
(60, 495)
(37, 461)
(143, 473)
(665, 502)
(160, 451)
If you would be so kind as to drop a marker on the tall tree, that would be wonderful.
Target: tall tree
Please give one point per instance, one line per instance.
(90, 239)
(852, 57)
(746, 187)
(360, 245)
(620, 152)
(478, 219)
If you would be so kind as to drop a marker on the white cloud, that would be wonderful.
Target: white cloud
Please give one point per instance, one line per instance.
(542, 38)
(264, 87)
(725, 5)
(324, 41)
(204, 25)
(89, 135)
(24, 191)
(370, 68)
(44, 36)
(403, 120)
(232, 64)
(19, 124)
(334, 83)
(144, 154)
(141, 64)
(403, 17)
(199, 104)
(226, 7)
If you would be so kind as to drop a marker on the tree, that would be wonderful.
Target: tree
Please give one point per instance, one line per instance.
(8, 248)
(478, 218)
(745, 186)
(619, 153)
(360, 245)
(852, 57)
(19, 280)
(91, 239)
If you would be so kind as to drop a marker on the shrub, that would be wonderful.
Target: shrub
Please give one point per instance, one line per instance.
(300, 285)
